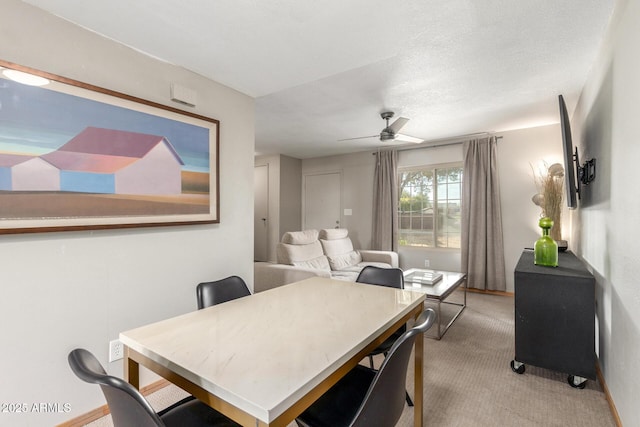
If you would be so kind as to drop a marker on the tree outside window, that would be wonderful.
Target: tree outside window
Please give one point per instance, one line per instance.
(430, 206)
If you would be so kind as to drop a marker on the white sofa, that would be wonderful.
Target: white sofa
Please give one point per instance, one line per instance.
(325, 253)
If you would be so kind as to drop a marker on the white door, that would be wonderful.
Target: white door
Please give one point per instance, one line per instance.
(261, 213)
(322, 201)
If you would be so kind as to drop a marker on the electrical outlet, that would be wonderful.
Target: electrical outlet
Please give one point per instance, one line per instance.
(427, 263)
(116, 350)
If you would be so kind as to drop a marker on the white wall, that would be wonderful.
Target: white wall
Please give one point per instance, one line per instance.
(606, 226)
(518, 152)
(285, 198)
(357, 191)
(291, 186)
(80, 289)
(272, 162)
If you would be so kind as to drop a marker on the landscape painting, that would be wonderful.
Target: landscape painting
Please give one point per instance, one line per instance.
(75, 156)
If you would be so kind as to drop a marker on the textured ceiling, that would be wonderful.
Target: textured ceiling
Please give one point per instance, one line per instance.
(322, 71)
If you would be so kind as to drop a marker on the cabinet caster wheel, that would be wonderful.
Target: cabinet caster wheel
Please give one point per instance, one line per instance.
(577, 382)
(517, 367)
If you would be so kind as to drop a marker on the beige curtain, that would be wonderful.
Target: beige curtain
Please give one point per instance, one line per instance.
(385, 202)
(482, 244)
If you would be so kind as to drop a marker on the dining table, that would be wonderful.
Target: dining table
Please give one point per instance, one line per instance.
(263, 359)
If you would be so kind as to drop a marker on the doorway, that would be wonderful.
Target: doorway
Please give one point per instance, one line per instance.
(322, 200)
(261, 213)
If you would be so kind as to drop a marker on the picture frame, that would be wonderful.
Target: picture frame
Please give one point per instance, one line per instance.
(74, 156)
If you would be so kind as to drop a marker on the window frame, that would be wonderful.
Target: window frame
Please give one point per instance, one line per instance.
(434, 168)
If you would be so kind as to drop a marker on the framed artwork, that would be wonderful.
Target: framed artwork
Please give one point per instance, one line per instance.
(75, 156)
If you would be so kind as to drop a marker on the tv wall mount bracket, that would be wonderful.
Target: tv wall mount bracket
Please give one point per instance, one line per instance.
(587, 172)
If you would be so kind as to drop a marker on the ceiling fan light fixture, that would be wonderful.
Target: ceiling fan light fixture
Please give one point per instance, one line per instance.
(390, 131)
(387, 135)
(407, 138)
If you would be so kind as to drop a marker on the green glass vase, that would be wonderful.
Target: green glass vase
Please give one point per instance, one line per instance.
(546, 249)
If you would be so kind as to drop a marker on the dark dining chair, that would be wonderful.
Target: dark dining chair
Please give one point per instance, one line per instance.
(128, 406)
(390, 277)
(393, 278)
(219, 291)
(365, 397)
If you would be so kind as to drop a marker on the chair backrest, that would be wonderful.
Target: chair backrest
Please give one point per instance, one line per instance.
(127, 405)
(391, 277)
(219, 291)
(385, 399)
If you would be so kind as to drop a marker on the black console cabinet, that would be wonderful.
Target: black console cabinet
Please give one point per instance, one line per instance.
(555, 317)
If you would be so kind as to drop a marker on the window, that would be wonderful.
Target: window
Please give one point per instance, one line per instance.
(429, 209)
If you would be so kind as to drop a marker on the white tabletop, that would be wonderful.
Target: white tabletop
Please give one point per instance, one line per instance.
(264, 352)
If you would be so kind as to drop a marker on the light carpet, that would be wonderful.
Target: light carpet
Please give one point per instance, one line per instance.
(468, 380)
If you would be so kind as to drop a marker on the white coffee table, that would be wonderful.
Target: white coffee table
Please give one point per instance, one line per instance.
(439, 292)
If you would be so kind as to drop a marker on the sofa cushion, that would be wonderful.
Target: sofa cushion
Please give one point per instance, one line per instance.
(342, 261)
(349, 276)
(373, 264)
(337, 247)
(339, 250)
(304, 237)
(319, 263)
(302, 255)
(333, 233)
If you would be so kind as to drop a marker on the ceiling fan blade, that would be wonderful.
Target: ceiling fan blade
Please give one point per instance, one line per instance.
(360, 137)
(398, 124)
(407, 138)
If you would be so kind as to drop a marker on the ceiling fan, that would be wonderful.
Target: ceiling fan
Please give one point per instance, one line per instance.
(390, 132)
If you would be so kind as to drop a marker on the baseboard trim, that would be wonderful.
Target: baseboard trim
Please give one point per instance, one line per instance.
(490, 292)
(87, 418)
(605, 389)
(100, 412)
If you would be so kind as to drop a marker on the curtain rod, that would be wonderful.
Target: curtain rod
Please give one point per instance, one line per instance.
(454, 140)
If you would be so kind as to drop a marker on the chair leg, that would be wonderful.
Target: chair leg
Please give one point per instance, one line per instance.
(371, 361)
(409, 401)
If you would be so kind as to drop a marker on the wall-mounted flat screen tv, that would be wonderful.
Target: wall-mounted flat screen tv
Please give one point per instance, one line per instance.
(572, 186)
